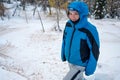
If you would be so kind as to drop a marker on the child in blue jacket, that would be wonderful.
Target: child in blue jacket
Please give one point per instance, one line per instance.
(80, 45)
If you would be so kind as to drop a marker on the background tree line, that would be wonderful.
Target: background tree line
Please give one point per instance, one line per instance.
(98, 8)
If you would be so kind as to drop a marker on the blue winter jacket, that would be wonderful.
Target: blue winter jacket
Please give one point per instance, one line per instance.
(80, 45)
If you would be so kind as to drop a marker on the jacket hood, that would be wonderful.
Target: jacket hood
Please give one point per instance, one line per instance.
(81, 7)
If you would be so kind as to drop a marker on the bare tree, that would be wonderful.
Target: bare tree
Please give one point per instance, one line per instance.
(2, 10)
(36, 9)
(60, 4)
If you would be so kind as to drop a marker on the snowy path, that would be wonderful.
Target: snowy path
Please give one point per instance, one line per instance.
(32, 56)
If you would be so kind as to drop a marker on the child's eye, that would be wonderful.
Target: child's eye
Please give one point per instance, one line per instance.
(73, 13)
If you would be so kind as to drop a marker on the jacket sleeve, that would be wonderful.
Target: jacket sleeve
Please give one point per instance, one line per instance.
(93, 42)
(63, 48)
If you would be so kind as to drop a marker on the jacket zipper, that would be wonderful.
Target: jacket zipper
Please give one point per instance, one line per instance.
(71, 42)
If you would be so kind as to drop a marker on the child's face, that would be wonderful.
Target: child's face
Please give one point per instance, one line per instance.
(73, 15)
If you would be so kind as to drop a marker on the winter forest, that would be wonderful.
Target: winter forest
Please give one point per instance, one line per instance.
(31, 33)
(99, 9)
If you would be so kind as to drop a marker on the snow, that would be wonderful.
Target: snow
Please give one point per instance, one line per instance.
(28, 53)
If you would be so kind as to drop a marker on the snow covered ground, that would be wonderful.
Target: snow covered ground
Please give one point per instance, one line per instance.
(27, 53)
